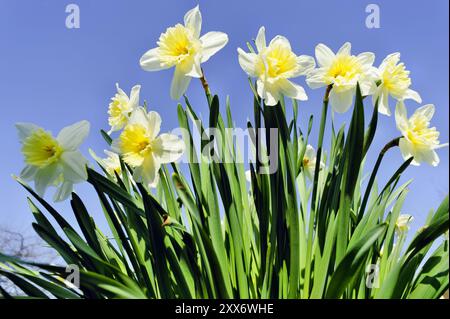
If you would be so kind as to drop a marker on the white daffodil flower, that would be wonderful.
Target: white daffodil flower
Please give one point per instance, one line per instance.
(419, 140)
(273, 66)
(142, 148)
(53, 161)
(309, 162)
(111, 163)
(394, 81)
(343, 71)
(121, 107)
(402, 223)
(182, 47)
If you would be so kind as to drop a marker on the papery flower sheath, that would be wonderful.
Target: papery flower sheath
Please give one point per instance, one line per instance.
(182, 47)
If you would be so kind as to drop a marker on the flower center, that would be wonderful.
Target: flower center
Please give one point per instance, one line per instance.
(41, 149)
(117, 110)
(344, 68)
(396, 78)
(279, 61)
(134, 144)
(420, 134)
(176, 45)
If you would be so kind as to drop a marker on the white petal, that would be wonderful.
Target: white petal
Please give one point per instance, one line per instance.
(147, 173)
(280, 40)
(393, 56)
(150, 61)
(366, 58)
(28, 172)
(72, 136)
(401, 117)
(168, 148)
(345, 49)
(196, 70)
(269, 92)
(310, 152)
(134, 96)
(74, 166)
(63, 192)
(153, 124)
(139, 116)
(431, 157)
(383, 102)
(427, 111)
(260, 40)
(315, 78)
(405, 149)
(292, 90)
(180, 83)
(306, 63)
(247, 61)
(324, 55)
(193, 21)
(25, 129)
(413, 95)
(212, 42)
(341, 101)
(44, 177)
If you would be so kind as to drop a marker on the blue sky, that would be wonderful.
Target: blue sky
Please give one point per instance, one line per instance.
(54, 76)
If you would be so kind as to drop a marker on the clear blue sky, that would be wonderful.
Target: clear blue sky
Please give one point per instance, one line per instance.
(54, 76)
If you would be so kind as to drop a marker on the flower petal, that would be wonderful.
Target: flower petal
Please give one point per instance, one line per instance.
(193, 21)
(324, 55)
(74, 166)
(260, 40)
(28, 172)
(366, 58)
(292, 90)
(44, 177)
(180, 83)
(280, 40)
(247, 61)
(306, 63)
(153, 124)
(413, 95)
(147, 173)
(63, 192)
(150, 61)
(383, 102)
(168, 148)
(72, 136)
(427, 111)
(315, 78)
(341, 100)
(269, 92)
(406, 151)
(401, 117)
(25, 129)
(345, 49)
(212, 42)
(134, 96)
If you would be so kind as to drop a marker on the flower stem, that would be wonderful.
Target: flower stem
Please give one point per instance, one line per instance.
(389, 145)
(205, 86)
(319, 145)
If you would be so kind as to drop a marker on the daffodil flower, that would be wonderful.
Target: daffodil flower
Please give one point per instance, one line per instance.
(309, 162)
(394, 81)
(273, 66)
(122, 106)
(142, 148)
(111, 163)
(402, 223)
(343, 71)
(182, 47)
(53, 161)
(419, 139)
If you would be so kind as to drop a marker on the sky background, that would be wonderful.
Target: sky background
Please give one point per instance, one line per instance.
(54, 76)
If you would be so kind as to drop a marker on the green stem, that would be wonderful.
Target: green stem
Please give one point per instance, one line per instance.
(319, 146)
(205, 86)
(389, 145)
